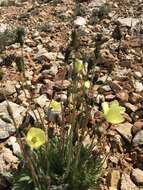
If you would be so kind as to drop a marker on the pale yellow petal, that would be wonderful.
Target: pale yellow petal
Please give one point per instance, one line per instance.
(55, 105)
(78, 65)
(35, 137)
(105, 107)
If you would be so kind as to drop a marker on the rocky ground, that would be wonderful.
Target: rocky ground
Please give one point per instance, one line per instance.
(110, 36)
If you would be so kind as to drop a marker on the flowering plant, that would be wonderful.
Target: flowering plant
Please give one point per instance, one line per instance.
(35, 137)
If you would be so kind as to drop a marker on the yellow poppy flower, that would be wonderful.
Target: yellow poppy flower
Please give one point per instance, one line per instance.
(113, 113)
(56, 106)
(35, 137)
(78, 66)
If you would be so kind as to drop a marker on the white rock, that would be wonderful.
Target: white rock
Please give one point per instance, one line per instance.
(11, 140)
(6, 122)
(125, 130)
(127, 184)
(60, 56)
(80, 21)
(17, 110)
(138, 74)
(100, 98)
(7, 160)
(16, 148)
(138, 86)
(42, 100)
(14, 144)
(3, 27)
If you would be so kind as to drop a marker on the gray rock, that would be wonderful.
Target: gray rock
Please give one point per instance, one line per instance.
(138, 126)
(44, 54)
(97, 3)
(11, 2)
(127, 184)
(40, 52)
(6, 2)
(6, 129)
(131, 107)
(102, 79)
(99, 98)
(7, 160)
(115, 86)
(52, 71)
(7, 89)
(1, 60)
(15, 146)
(138, 139)
(116, 141)
(137, 176)
(19, 2)
(46, 27)
(137, 30)
(42, 100)
(135, 98)
(125, 130)
(22, 99)
(6, 123)
(62, 84)
(129, 21)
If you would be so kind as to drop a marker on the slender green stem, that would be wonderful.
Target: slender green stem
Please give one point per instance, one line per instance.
(34, 176)
(73, 122)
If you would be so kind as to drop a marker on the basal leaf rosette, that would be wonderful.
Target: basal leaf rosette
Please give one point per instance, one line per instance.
(35, 137)
(113, 112)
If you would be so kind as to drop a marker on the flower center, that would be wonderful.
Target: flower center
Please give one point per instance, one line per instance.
(34, 140)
